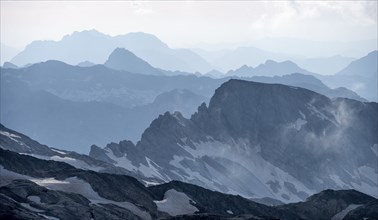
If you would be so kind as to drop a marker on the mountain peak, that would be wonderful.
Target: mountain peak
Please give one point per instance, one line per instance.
(140, 40)
(365, 66)
(346, 195)
(122, 59)
(84, 34)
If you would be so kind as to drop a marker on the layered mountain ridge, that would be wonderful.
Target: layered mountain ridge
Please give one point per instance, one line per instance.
(31, 188)
(250, 134)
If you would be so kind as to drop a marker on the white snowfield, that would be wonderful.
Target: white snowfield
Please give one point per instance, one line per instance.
(176, 203)
(70, 185)
(152, 170)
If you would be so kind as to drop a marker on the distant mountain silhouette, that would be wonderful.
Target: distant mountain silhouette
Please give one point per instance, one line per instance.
(57, 94)
(9, 65)
(95, 47)
(7, 53)
(250, 56)
(309, 82)
(269, 68)
(122, 59)
(325, 65)
(86, 64)
(359, 76)
(364, 67)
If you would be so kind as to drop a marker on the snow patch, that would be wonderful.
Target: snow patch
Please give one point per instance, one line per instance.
(121, 161)
(58, 151)
(10, 135)
(176, 203)
(149, 183)
(35, 199)
(374, 148)
(48, 217)
(319, 114)
(343, 213)
(302, 115)
(69, 160)
(26, 205)
(336, 179)
(151, 170)
(297, 125)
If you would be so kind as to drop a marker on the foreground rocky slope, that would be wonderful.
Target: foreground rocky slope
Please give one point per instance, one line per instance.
(31, 188)
(286, 142)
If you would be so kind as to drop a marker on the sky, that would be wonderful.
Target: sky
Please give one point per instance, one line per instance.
(190, 23)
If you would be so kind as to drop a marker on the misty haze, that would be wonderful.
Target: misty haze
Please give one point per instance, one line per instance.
(189, 110)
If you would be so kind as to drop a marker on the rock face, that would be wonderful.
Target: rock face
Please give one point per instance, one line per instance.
(286, 142)
(20, 143)
(31, 188)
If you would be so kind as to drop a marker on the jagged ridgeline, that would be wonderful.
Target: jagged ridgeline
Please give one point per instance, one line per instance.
(33, 188)
(260, 140)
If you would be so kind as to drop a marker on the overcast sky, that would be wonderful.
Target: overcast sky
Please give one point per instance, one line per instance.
(189, 24)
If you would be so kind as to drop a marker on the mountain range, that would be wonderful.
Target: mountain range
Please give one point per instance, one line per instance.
(37, 183)
(360, 76)
(94, 46)
(94, 126)
(249, 135)
(269, 68)
(289, 136)
(103, 97)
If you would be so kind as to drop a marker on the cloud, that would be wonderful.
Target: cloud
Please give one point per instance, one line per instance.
(321, 19)
(141, 8)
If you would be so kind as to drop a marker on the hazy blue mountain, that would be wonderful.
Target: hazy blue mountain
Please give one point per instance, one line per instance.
(122, 59)
(311, 48)
(99, 83)
(309, 82)
(7, 53)
(269, 68)
(249, 135)
(58, 94)
(215, 74)
(47, 116)
(95, 47)
(250, 56)
(325, 65)
(9, 65)
(364, 67)
(359, 76)
(181, 100)
(85, 45)
(86, 64)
